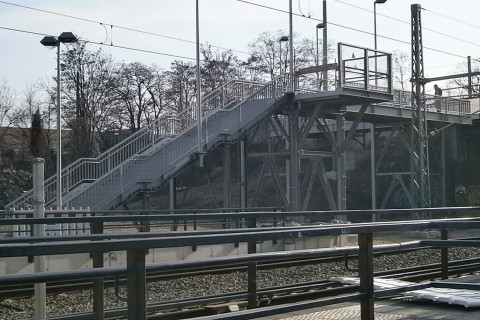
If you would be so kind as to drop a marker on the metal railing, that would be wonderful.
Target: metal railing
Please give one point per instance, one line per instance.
(363, 68)
(167, 126)
(227, 110)
(135, 245)
(449, 105)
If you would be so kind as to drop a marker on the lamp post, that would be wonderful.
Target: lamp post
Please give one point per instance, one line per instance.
(375, 34)
(282, 39)
(199, 94)
(323, 26)
(375, 19)
(49, 41)
(290, 24)
(319, 26)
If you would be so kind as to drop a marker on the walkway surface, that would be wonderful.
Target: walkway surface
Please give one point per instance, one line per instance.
(385, 310)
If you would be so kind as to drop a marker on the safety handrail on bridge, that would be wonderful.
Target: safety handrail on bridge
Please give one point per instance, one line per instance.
(246, 93)
(90, 169)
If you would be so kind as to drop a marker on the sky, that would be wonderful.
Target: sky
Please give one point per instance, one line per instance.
(168, 29)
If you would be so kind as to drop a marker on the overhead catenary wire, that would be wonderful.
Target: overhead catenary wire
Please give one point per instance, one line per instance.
(408, 23)
(454, 19)
(223, 48)
(244, 1)
(118, 26)
(349, 28)
(105, 44)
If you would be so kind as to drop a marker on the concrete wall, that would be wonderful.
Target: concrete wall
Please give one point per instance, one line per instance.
(119, 258)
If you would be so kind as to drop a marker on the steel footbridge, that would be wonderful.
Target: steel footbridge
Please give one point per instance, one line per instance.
(359, 91)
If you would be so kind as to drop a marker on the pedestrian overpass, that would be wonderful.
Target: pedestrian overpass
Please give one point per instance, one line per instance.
(359, 91)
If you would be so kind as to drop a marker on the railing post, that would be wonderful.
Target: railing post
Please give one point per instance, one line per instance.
(340, 65)
(40, 310)
(136, 287)
(367, 69)
(444, 254)
(98, 284)
(252, 268)
(365, 262)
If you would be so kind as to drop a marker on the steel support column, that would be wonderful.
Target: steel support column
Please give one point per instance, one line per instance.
(136, 285)
(226, 177)
(444, 174)
(420, 182)
(294, 160)
(341, 168)
(365, 260)
(173, 194)
(373, 170)
(243, 177)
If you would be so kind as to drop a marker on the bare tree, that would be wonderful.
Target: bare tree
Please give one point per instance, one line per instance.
(265, 54)
(134, 85)
(459, 87)
(88, 97)
(158, 91)
(183, 89)
(401, 70)
(7, 104)
(218, 67)
(270, 56)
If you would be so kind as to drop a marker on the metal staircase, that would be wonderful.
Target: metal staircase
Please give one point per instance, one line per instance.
(155, 153)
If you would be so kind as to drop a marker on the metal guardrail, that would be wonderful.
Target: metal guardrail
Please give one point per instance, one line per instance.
(449, 105)
(135, 247)
(363, 68)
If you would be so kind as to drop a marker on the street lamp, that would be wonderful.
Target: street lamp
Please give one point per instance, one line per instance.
(199, 93)
(49, 41)
(323, 26)
(282, 39)
(375, 34)
(375, 19)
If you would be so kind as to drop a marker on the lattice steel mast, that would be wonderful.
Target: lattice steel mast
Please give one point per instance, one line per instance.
(420, 178)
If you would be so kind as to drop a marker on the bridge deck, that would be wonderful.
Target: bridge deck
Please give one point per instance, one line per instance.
(381, 107)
